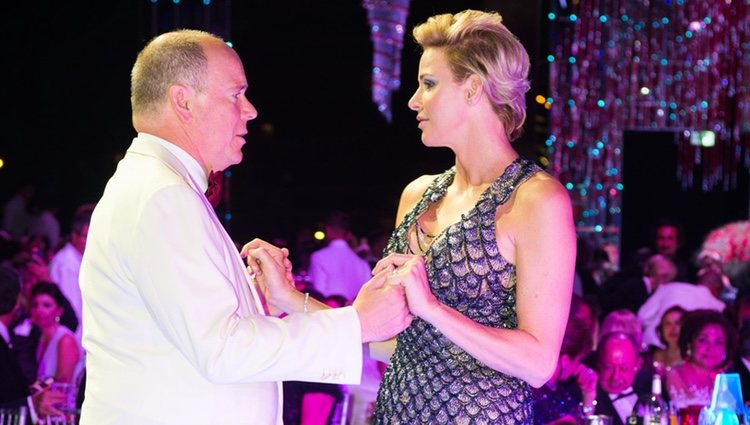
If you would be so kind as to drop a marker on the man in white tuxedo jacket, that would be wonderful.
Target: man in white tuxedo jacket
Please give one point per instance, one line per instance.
(174, 329)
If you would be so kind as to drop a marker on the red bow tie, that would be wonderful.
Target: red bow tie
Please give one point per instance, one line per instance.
(215, 182)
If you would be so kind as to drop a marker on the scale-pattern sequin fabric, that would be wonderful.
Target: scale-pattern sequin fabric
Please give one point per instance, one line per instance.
(430, 380)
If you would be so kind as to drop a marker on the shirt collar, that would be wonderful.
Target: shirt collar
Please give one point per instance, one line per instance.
(192, 166)
(339, 242)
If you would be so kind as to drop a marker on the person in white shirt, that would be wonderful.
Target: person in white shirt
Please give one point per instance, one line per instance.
(176, 330)
(686, 295)
(65, 266)
(337, 269)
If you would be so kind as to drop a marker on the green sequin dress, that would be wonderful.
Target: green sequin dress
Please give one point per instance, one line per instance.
(430, 380)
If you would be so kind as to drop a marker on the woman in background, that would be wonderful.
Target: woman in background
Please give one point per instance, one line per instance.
(708, 342)
(58, 353)
(669, 335)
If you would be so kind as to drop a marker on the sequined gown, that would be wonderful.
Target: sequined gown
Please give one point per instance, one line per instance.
(430, 380)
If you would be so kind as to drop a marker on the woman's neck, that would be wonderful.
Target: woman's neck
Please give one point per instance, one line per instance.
(49, 331)
(706, 376)
(482, 167)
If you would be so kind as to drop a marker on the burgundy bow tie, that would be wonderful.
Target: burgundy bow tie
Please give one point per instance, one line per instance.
(215, 182)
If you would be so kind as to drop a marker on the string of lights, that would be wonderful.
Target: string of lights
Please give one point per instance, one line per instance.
(659, 65)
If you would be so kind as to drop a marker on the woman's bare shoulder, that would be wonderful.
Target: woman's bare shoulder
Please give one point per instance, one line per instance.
(541, 187)
(413, 192)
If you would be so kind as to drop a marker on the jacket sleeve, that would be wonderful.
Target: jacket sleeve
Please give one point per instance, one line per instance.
(185, 275)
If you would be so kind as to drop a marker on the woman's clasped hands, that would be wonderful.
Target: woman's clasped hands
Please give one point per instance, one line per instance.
(409, 272)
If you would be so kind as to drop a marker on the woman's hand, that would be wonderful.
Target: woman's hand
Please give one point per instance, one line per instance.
(409, 272)
(280, 255)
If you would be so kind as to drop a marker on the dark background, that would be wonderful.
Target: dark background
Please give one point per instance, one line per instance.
(318, 143)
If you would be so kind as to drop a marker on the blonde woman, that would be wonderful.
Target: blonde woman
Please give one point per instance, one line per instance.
(486, 250)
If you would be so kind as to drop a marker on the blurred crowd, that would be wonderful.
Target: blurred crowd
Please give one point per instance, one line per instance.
(661, 312)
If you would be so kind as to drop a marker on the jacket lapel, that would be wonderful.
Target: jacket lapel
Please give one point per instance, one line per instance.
(253, 302)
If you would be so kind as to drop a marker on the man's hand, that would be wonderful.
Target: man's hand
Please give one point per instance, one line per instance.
(278, 290)
(382, 309)
(587, 380)
(39, 269)
(409, 272)
(280, 255)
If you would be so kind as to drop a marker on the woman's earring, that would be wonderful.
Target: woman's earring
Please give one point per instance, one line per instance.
(57, 319)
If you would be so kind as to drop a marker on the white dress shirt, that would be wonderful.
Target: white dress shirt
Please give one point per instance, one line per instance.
(686, 295)
(64, 270)
(624, 405)
(337, 269)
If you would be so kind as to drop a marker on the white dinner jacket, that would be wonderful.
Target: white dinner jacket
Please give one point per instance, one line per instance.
(173, 330)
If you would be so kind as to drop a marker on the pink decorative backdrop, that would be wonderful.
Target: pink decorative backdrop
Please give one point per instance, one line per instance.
(679, 65)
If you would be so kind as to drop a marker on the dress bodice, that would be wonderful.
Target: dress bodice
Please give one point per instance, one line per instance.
(430, 379)
(47, 359)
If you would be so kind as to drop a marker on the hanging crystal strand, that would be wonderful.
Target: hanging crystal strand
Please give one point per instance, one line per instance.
(387, 19)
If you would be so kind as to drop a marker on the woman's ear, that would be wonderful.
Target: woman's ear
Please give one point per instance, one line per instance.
(473, 89)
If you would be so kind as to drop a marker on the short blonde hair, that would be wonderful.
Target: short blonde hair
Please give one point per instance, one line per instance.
(174, 57)
(478, 43)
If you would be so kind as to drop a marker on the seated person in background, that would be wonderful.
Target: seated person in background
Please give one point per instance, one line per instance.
(617, 366)
(668, 237)
(631, 288)
(66, 264)
(14, 388)
(687, 295)
(25, 336)
(741, 364)
(58, 353)
(739, 312)
(585, 311)
(669, 335)
(709, 262)
(708, 342)
(572, 385)
(625, 321)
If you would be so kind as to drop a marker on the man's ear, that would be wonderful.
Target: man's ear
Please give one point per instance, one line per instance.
(474, 89)
(180, 99)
